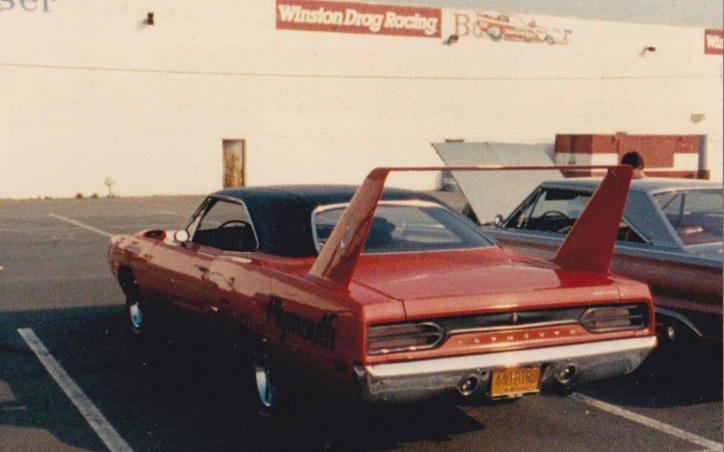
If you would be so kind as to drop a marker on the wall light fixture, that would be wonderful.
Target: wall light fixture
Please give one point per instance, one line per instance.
(452, 39)
(149, 19)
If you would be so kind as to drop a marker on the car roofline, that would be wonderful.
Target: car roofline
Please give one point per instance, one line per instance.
(648, 184)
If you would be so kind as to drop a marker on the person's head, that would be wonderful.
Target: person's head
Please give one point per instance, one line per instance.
(636, 161)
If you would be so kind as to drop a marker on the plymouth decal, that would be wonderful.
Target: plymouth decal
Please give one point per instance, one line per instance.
(320, 333)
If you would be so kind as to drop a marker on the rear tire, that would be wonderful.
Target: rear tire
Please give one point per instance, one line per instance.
(264, 386)
(265, 391)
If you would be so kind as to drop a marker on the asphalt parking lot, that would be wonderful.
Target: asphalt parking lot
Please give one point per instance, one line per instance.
(72, 380)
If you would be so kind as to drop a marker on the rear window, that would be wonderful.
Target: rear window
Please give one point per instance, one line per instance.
(695, 215)
(406, 227)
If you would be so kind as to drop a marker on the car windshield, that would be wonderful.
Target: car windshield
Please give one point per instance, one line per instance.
(695, 215)
(406, 227)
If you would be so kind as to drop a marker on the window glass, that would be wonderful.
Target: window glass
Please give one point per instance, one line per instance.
(695, 215)
(555, 210)
(405, 226)
(552, 210)
(225, 225)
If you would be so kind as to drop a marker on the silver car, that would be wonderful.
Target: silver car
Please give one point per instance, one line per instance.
(670, 238)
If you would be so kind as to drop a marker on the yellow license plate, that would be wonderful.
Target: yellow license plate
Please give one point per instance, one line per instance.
(515, 381)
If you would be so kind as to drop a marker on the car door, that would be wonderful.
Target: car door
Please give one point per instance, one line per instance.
(185, 265)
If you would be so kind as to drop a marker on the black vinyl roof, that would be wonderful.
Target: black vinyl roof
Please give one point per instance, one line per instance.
(281, 215)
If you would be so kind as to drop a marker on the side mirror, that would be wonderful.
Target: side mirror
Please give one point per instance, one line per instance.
(498, 221)
(181, 236)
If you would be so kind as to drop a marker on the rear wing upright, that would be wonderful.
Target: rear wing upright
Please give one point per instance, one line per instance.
(590, 242)
(588, 246)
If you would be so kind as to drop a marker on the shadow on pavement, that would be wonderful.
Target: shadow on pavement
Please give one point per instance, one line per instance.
(688, 377)
(183, 390)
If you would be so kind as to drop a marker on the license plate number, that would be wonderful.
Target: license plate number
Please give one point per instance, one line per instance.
(515, 381)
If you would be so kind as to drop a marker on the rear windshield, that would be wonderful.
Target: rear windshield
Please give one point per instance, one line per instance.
(406, 227)
(695, 215)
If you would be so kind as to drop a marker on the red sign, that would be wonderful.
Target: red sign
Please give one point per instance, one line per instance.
(713, 42)
(361, 18)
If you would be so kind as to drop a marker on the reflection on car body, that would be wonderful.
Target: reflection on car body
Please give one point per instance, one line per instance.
(670, 237)
(389, 295)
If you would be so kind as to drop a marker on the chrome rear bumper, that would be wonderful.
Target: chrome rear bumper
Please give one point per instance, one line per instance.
(562, 365)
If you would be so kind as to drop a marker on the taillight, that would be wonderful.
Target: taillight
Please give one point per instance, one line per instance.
(615, 318)
(403, 337)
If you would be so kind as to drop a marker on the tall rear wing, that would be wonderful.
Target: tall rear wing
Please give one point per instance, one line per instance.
(588, 246)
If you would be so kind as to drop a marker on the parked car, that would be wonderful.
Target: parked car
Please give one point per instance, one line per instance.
(670, 237)
(390, 296)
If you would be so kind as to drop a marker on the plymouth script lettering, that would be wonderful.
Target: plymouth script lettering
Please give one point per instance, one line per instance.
(320, 333)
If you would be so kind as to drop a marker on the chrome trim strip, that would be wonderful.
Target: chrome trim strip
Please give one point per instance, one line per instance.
(510, 358)
(512, 326)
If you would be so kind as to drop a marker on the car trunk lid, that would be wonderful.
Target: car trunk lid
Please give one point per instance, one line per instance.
(479, 281)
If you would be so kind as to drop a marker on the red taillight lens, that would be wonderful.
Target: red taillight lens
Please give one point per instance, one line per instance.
(403, 337)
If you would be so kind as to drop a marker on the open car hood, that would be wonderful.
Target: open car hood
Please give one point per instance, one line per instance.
(497, 193)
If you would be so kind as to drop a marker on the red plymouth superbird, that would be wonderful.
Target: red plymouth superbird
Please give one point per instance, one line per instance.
(390, 295)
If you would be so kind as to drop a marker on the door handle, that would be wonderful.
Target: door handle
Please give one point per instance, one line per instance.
(202, 268)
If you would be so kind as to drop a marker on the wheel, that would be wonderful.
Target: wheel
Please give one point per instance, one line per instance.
(555, 213)
(136, 312)
(232, 223)
(495, 33)
(264, 389)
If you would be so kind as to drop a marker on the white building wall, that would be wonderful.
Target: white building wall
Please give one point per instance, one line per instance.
(87, 91)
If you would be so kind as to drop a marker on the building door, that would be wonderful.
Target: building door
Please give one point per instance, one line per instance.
(234, 163)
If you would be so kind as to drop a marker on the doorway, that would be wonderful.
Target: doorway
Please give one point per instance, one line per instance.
(234, 163)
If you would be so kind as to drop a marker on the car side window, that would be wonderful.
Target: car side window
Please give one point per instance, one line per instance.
(551, 209)
(695, 215)
(227, 226)
(555, 210)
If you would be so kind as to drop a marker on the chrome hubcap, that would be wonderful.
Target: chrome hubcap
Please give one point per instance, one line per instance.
(136, 315)
(265, 388)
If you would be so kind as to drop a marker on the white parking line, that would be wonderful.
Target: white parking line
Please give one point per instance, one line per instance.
(651, 423)
(92, 415)
(80, 225)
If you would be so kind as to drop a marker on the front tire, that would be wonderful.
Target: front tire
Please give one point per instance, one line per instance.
(136, 311)
(136, 316)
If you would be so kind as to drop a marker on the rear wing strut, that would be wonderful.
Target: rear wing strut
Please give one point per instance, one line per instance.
(588, 246)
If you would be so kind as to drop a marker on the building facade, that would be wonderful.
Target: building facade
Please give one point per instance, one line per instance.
(156, 97)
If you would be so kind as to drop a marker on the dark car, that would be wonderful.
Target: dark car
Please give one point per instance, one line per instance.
(670, 237)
